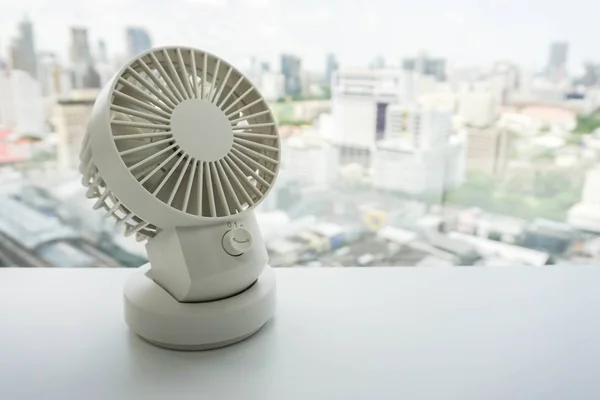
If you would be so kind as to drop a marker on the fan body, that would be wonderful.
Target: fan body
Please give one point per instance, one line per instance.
(180, 149)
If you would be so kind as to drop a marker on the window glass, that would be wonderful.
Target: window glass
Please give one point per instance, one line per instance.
(427, 134)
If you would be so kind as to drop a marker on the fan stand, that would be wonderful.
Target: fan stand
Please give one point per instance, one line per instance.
(156, 316)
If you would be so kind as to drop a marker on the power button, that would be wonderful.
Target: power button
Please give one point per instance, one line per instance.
(237, 241)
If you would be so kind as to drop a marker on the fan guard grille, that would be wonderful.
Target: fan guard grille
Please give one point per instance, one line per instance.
(146, 93)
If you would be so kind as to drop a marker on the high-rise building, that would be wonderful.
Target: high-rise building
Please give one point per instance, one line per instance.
(585, 215)
(426, 148)
(557, 60)
(56, 80)
(21, 106)
(504, 81)
(138, 41)
(307, 159)
(91, 78)
(488, 151)
(290, 68)
(591, 76)
(377, 63)
(425, 65)
(272, 85)
(48, 68)
(79, 52)
(71, 117)
(23, 49)
(331, 66)
(421, 127)
(360, 101)
(477, 108)
(102, 56)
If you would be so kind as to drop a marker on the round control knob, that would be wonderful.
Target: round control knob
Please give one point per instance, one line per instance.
(236, 241)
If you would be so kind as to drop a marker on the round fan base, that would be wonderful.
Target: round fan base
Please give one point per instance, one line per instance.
(152, 313)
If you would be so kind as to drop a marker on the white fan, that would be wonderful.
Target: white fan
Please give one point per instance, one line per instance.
(180, 148)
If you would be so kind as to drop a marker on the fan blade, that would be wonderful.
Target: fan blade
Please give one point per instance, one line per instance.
(219, 186)
(190, 183)
(225, 80)
(166, 77)
(209, 188)
(183, 74)
(229, 189)
(157, 82)
(230, 92)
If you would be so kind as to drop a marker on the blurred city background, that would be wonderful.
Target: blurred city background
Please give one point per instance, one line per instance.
(446, 138)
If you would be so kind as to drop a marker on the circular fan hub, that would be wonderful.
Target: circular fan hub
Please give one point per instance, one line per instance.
(202, 130)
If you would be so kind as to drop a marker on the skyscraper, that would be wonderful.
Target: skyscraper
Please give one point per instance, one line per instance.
(79, 53)
(102, 56)
(138, 41)
(377, 63)
(290, 68)
(21, 105)
(425, 65)
(488, 150)
(91, 78)
(48, 73)
(591, 76)
(557, 60)
(23, 49)
(423, 144)
(331, 67)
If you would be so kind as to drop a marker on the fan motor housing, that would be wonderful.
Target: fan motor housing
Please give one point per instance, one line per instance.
(222, 274)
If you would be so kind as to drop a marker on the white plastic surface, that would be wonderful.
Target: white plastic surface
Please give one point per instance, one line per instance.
(518, 333)
(155, 315)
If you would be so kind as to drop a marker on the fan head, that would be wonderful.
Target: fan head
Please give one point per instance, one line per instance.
(179, 137)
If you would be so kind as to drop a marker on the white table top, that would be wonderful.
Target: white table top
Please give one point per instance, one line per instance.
(394, 333)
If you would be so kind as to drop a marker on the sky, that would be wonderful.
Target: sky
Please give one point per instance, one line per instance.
(467, 32)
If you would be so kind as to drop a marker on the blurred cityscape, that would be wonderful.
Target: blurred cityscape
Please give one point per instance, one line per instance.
(410, 162)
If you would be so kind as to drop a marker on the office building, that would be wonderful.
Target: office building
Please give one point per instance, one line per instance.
(21, 106)
(290, 68)
(557, 61)
(91, 78)
(401, 167)
(48, 68)
(331, 67)
(585, 215)
(102, 56)
(138, 41)
(23, 49)
(308, 160)
(488, 150)
(272, 86)
(504, 82)
(79, 52)
(377, 63)
(591, 76)
(360, 99)
(56, 80)
(420, 126)
(478, 108)
(425, 65)
(71, 117)
(421, 156)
